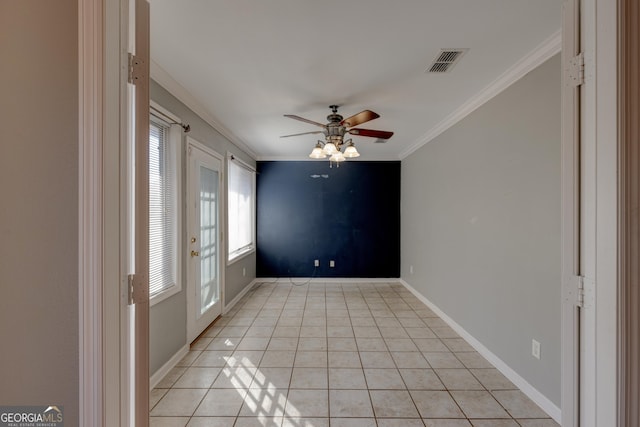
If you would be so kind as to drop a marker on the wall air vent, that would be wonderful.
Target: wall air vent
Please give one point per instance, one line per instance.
(446, 60)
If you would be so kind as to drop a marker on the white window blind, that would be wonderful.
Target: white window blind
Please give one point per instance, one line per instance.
(241, 202)
(162, 211)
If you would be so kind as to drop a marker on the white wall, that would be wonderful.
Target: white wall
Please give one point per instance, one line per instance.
(481, 225)
(39, 204)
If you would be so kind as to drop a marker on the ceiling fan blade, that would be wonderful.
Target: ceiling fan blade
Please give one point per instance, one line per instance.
(382, 134)
(302, 119)
(361, 117)
(303, 133)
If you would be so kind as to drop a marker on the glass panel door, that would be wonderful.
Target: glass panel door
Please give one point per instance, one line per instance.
(204, 210)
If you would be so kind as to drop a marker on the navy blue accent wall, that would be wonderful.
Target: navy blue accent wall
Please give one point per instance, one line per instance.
(308, 211)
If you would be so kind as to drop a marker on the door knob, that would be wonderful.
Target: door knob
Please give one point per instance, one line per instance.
(195, 253)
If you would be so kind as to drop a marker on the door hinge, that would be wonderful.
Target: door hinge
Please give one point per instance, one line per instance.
(136, 69)
(138, 289)
(582, 291)
(575, 70)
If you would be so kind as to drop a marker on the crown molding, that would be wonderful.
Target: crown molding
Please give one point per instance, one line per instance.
(532, 60)
(165, 80)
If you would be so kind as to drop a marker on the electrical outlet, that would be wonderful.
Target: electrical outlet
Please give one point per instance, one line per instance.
(535, 349)
(332, 263)
(411, 269)
(316, 263)
(244, 271)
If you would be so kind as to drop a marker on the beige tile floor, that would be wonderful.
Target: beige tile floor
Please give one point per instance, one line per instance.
(339, 355)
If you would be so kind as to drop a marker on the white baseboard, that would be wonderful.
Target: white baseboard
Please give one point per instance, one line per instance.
(238, 297)
(164, 369)
(541, 400)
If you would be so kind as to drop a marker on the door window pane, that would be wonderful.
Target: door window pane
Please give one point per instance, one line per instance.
(208, 231)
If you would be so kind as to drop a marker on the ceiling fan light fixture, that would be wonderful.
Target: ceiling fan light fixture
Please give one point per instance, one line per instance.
(350, 152)
(317, 152)
(335, 131)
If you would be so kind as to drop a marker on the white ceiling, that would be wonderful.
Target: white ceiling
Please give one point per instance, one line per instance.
(245, 63)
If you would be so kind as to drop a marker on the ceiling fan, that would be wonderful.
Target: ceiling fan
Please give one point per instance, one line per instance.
(334, 133)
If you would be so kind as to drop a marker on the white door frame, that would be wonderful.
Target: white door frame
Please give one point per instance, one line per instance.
(102, 378)
(104, 383)
(90, 213)
(594, 254)
(601, 78)
(191, 302)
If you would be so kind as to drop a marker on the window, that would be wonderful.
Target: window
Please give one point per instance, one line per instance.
(241, 205)
(163, 210)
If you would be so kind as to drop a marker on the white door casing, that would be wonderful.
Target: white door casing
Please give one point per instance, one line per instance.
(590, 215)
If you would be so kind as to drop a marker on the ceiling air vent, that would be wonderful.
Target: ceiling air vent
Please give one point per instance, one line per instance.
(446, 60)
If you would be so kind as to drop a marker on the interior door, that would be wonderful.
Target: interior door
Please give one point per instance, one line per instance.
(204, 210)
